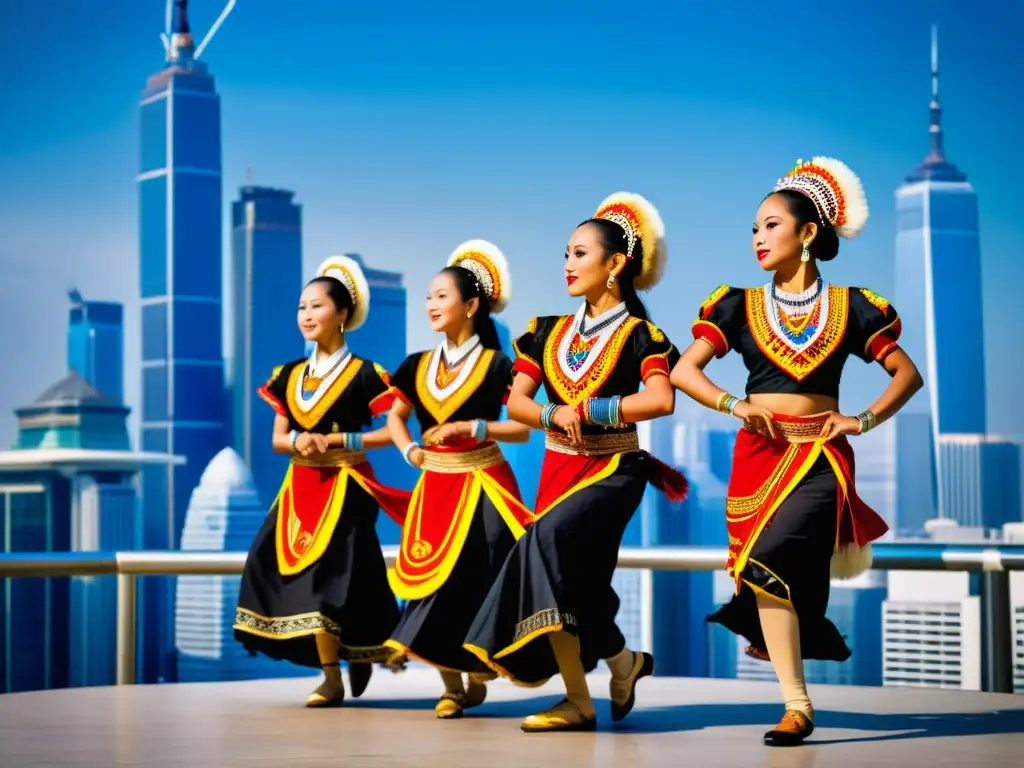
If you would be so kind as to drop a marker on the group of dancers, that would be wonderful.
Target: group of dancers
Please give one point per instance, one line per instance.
(491, 588)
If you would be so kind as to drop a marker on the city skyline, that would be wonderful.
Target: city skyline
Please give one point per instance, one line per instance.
(391, 174)
(366, 189)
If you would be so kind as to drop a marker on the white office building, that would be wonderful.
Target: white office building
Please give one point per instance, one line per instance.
(931, 631)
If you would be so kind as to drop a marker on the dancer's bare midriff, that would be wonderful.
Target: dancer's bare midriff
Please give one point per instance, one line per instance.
(795, 405)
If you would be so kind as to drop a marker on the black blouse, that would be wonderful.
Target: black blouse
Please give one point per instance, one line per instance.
(852, 321)
(637, 350)
(480, 396)
(349, 403)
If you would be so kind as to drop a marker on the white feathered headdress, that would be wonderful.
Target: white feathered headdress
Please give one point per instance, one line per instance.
(641, 221)
(835, 191)
(489, 266)
(347, 271)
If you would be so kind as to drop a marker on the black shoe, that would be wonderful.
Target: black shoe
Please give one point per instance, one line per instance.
(791, 730)
(358, 678)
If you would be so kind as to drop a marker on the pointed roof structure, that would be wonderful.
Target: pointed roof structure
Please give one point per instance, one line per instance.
(73, 390)
(935, 166)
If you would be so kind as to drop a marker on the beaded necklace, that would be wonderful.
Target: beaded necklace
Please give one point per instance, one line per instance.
(802, 315)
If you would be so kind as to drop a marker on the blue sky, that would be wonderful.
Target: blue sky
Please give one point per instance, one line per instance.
(408, 127)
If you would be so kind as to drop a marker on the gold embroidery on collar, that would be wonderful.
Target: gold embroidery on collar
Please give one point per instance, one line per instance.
(801, 364)
(573, 392)
(442, 410)
(309, 419)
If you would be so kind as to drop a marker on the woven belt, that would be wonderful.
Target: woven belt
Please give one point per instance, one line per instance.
(791, 431)
(593, 445)
(332, 458)
(453, 462)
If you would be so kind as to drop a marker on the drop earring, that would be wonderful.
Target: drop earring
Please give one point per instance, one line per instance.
(611, 282)
(805, 254)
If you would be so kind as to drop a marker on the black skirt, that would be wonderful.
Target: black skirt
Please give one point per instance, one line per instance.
(791, 561)
(344, 593)
(433, 629)
(559, 577)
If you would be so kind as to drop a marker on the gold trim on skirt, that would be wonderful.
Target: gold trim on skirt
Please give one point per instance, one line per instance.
(593, 445)
(803, 430)
(454, 462)
(335, 457)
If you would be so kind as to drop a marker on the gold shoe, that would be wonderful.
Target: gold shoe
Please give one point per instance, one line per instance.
(451, 705)
(564, 716)
(327, 694)
(622, 692)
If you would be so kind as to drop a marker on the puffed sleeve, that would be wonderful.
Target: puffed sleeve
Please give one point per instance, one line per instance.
(504, 373)
(875, 323)
(403, 383)
(379, 389)
(652, 348)
(275, 391)
(530, 348)
(720, 318)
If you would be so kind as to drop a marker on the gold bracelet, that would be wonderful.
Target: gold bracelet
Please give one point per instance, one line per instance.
(722, 400)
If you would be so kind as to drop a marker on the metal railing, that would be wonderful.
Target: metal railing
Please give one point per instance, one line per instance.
(993, 562)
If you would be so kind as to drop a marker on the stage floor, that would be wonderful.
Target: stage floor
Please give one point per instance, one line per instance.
(677, 722)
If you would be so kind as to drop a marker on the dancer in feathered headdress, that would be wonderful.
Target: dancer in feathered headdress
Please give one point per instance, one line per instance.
(793, 513)
(466, 511)
(314, 589)
(604, 368)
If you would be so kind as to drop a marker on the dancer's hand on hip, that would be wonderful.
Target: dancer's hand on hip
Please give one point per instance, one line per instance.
(753, 415)
(836, 424)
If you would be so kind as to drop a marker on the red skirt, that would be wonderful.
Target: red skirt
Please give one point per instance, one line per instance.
(310, 504)
(564, 473)
(764, 474)
(441, 512)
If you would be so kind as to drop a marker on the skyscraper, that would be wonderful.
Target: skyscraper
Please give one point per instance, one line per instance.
(96, 343)
(938, 269)
(876, 473)
(382, 338)
(266, 278)
(682, 600)
(180, 285)
(980, 480)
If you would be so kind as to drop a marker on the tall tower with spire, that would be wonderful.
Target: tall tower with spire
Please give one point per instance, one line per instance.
(180, 240)
(938, 294)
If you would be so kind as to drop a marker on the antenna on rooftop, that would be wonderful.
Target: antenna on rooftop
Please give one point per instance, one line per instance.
(165, 36)
(213, 30)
